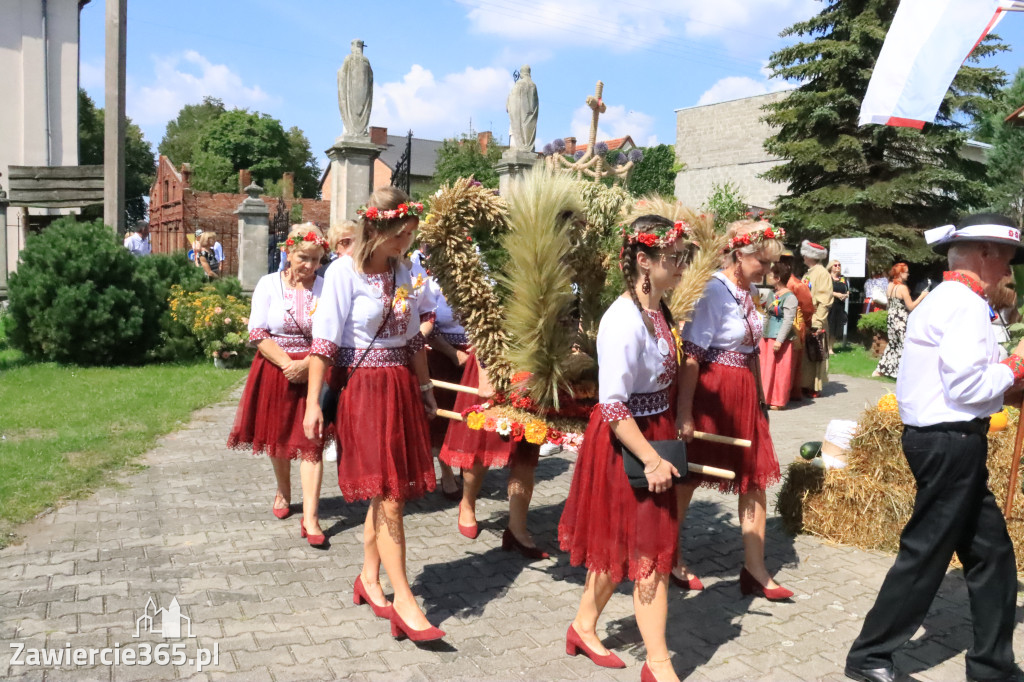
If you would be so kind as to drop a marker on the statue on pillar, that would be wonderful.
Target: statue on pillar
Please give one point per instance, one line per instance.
(522, 107)
(355, 92)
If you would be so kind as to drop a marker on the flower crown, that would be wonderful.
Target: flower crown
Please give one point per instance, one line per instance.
(401, 211)
(660, 238)
(757, 236)
(311, 237)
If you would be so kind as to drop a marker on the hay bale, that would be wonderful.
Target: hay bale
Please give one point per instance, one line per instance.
(868, 503)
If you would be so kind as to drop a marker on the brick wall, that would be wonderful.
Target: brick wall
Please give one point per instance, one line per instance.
(722, 143)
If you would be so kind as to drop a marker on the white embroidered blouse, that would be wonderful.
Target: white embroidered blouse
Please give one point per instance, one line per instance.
(283, 314)
(725, 324)
(352, 309)
(635, 369)
(433, 304)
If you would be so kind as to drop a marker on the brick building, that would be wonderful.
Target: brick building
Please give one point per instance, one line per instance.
(177, 211)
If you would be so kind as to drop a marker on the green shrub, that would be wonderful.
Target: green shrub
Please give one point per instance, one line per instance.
(176, 343)
(219, 322)
(78, 296)
(872, 323)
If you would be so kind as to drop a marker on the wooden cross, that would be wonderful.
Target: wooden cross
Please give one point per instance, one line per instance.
(597, 106)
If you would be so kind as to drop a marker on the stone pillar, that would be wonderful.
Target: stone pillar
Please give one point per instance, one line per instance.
(3, 243)
(513, 165)
(253, 233)
(114, 117)
(351, 175)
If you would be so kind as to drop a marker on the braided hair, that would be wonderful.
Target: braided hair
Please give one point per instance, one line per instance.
(630, 269)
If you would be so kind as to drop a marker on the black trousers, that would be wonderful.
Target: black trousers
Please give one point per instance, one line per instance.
(954, 511)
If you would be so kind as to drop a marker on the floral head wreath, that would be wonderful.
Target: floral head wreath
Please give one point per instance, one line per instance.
(373, 213)
(660, 238)
(756, 236)
(311, 237)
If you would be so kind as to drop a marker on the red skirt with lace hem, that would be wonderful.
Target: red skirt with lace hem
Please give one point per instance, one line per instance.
(441, 367)
(383, 437)
(609, 526)
(464, 447)
(725, 403)
(270, 412)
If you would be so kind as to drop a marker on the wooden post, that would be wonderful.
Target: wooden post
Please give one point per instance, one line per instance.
(113, 117)
(1011, 489)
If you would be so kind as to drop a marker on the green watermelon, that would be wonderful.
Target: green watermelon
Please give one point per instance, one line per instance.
(810, 449)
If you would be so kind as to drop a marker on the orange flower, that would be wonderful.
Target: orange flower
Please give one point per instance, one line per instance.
(536, 432)
(475, 421)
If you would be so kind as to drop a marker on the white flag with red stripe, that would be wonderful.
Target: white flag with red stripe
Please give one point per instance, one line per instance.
(924, 48)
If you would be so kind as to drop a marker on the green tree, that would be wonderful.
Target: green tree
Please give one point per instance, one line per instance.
(655, 173)
(461, 157)
(1006, 160)
(879, 182)
(140, 164)
(182, 133)
(726, 204)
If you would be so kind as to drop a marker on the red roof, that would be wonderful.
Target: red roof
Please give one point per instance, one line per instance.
(617, 143)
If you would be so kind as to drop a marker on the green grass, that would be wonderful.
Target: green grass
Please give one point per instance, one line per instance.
(66, 430)
(855, 361)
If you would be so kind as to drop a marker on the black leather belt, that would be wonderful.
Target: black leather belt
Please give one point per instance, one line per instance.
(978, 426)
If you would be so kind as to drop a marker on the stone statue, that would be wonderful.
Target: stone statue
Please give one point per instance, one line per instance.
(522, 107)
(355, 92)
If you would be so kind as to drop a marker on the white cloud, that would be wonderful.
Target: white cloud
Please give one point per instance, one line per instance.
(737, 87)
(614, 123)
(90, 75)
(186, 78)
(441, 108)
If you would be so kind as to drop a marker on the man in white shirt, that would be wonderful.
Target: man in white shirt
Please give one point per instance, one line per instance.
(138, 241)
(950, 381)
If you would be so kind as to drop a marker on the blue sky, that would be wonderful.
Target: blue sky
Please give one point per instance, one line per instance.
(444, 67)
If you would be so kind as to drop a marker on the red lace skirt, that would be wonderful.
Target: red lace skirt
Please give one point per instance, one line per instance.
(725, 403)
(464, 447)
(441, 367)
(777, 372)
(383, 436)
(269, 416)
(609, 526)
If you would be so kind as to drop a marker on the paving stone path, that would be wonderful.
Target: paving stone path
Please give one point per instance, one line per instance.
(196, 525)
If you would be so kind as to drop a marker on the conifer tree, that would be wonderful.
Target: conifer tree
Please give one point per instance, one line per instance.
(884, 183)
(1006, 160)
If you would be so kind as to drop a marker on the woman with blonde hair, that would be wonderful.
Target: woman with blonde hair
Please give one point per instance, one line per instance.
(205, 256)
(367, 325)
(721, 393)
(273, 404)
(342, 237)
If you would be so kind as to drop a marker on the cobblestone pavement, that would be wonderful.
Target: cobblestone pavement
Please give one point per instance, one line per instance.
(196, 525)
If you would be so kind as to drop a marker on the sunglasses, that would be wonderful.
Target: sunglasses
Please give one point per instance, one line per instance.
(676, 258)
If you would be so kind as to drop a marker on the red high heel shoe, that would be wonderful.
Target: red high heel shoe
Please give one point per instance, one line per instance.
(646, 674)
(315, 540)
(282, 513)
(470, 532)
(509, 543)
(693, 583)
(399, 630)
(749, 585)
(574, 644)
(359, 596)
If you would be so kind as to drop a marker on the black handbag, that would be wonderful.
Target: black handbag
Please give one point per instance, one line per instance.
(330, 396)
(672, 451)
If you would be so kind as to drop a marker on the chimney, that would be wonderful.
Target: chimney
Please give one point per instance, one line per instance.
(288, 186)
(570, 145)
(244, 178)
(483, 139)
(378, 135)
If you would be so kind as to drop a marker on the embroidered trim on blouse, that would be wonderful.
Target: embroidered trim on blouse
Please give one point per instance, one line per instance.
(614, 411)
(729, 358)
(968, 281)
(638, 405)
(455, 339)
(257, 335)
(325, 348)
(1016, 365)
(416, 343)
(430, 317)
(376, 357)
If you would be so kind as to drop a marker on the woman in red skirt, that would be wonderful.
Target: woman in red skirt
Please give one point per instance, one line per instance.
(615, 530)
(368, 325)
(269, 417)
(719, 394)
(447, 353)
(776, 348)
(477, 451)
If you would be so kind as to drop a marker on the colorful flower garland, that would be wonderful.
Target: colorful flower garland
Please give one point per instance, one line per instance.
(659, 239)
(757, 236)
(372, 213)
(312, 238)
(535, 431)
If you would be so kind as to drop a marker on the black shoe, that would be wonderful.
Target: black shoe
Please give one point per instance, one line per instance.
(870, 674)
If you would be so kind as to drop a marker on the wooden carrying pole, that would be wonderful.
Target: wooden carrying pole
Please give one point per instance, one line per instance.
(1014, 465)
(695, 468)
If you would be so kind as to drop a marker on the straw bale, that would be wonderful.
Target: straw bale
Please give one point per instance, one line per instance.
(868, 503)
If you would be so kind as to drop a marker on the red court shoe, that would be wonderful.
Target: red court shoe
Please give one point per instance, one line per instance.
(686, 584)
(509, 543)
(399, 629)
(574, 645)
(315, 540)
(646, 674)
(282, 513)
(749, 585)
(359, 596)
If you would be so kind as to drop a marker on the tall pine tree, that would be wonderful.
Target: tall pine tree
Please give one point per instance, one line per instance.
(884, 183)
(1006, 160)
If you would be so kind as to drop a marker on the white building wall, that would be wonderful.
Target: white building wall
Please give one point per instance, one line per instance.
(38, 92)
